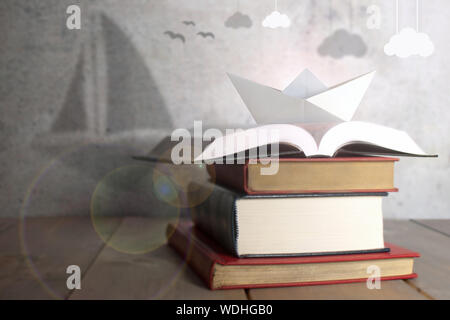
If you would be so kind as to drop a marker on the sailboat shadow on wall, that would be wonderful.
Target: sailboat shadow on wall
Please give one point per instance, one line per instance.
(112, 94)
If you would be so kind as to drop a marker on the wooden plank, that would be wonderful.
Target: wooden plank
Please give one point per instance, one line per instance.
(123, 272)
(34, 258)
(390, 290)
(433, 267)
(438, 225)
(399, 232)
(9, 234)
(16, 280)
(54, 243)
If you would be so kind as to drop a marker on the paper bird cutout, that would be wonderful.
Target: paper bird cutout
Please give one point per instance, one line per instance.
(306, 99)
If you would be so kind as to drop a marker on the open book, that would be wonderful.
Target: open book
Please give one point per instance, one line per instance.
(324, 140)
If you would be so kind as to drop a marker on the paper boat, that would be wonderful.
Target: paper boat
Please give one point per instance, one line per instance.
(306, 99)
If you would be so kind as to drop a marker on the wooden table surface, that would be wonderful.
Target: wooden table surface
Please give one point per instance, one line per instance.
(126, 258)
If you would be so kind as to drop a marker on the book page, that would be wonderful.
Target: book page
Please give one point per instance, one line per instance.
(356, 132)
(318, 129)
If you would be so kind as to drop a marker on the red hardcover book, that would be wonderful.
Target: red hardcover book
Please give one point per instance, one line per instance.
(220, 270)
(308, 175)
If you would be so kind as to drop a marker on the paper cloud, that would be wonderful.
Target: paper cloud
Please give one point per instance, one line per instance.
(409, 42)
(276, 20)
(342, 43)
(238, 20)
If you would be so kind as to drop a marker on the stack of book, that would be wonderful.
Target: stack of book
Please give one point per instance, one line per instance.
(318, 217)
(315, 221)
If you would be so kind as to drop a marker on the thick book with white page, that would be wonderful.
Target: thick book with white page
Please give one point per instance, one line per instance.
(324, 140)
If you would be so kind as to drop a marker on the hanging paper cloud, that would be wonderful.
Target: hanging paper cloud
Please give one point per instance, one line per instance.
(409, 42)
(276, 20)
(342, 43)
(238, 20)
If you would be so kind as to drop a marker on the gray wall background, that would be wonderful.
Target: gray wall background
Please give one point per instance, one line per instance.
(75, 104)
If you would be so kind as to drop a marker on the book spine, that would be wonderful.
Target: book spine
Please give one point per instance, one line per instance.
(216, 217)
(229, 175)
(186, 246)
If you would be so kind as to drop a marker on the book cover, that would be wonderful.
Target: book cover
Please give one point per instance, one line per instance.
(226, 217)
(309, 175)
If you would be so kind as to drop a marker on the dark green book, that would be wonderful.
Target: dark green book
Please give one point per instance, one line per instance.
(290, 224)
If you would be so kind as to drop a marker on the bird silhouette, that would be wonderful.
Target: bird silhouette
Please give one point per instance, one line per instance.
(189, 23)
(175, 36)
(206, 34)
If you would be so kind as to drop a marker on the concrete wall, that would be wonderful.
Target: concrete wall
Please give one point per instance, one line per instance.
(75, 104)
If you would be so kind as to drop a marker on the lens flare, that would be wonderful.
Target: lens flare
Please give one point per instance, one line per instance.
(31, 207)
(130, 191)
(63, 187)
(184, 185)
(164, 189)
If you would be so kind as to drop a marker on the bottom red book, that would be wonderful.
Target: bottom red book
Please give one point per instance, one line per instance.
(220, 270)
